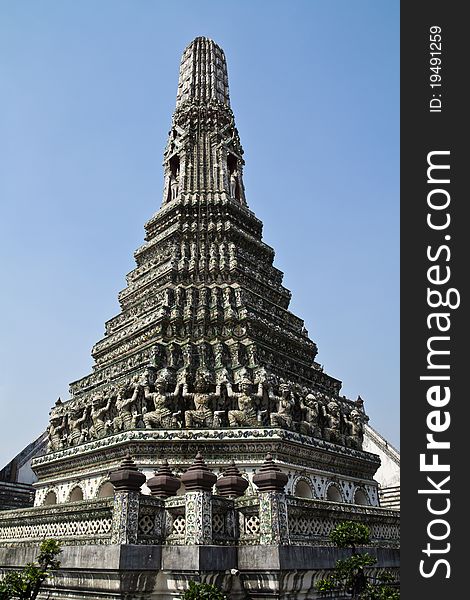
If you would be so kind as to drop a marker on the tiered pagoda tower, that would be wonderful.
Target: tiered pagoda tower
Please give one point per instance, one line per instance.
(205, 354)
(207, 444)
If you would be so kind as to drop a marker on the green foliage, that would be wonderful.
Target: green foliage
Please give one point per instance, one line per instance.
(349, 576)
(203, 591)
(350, 571)
(355, 562)
(48, 552)
(350, 534)
(25, 584)
(382, 590)
(327, 585)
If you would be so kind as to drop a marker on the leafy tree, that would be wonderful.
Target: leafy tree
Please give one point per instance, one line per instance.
(350, 534)
(203, 591)
(349, 576)
(25, 584)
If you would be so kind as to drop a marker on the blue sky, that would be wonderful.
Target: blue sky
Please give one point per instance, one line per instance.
(87, 90)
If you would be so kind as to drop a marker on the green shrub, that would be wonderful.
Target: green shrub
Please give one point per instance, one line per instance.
(382, 590)
(349, 576)
(203, 591)
(326, 585)
(25, 584)
(350, 534)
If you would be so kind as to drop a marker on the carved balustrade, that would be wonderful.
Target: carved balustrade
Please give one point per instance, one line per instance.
(85, 522)
(265, 519)
(310, 521)
(248, 520)
(175, 520)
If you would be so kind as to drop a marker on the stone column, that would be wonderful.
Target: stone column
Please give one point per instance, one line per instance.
(127, 481)
(198, 480)
(271, 482)
(273, 519)
(198, 518)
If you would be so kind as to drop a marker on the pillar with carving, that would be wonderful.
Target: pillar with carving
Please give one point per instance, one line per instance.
(127, 481)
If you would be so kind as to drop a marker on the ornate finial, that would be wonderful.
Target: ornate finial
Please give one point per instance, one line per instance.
(198, 477)
(270, 478)
(231, 484)
(164, 468)
(269, 464)
(359, 402)
(127, 478)
(203, 74)
(232, 469)
(202, 115)
(128, 463)
(164, 483)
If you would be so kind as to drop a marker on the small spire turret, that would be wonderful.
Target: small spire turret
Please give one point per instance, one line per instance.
(203, 158)
(203, 74)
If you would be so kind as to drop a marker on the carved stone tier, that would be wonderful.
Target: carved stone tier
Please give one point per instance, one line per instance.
(316, 463)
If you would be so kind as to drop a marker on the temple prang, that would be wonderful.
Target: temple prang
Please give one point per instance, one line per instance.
(205, 338)
(204, 360)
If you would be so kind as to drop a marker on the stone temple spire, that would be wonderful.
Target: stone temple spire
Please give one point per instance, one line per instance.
(203, 158)
(203, 74)
(205, 337)
(204, 356)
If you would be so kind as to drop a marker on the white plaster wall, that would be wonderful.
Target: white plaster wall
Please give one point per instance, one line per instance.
(388, 474)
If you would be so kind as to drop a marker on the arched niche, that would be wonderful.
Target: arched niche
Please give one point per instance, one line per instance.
(360, 497)
(174, 175)
(50, 498)
(234, 176)
(333, 493)
(76, 494)
(106, 490)
(303, 489)
(174, 163)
